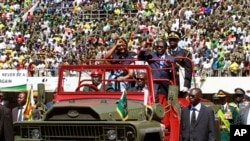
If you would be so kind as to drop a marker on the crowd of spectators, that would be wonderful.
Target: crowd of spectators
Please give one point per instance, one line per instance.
(216, 32)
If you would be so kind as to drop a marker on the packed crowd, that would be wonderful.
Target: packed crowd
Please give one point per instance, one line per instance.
(55, 32)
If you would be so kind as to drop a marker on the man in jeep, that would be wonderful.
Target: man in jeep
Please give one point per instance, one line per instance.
(141, 83)
(97, 83)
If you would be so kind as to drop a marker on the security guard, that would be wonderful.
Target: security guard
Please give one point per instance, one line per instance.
(239, 93)
(228, 115)
(184, 66)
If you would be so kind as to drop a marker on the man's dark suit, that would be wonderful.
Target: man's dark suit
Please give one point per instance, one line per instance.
(243, 114)
(35, 114)
(5, 103)
(204, 129)
(6, 126)
(136, 89)
(160, 87)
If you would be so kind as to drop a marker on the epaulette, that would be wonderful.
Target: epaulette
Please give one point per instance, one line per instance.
(233, 105)
(187, 52)
(179, 66)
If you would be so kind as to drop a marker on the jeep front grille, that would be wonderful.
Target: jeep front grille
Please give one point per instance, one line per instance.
(76, 132)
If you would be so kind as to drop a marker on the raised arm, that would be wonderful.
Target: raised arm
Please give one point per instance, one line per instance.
(110, 52)
(146, 50)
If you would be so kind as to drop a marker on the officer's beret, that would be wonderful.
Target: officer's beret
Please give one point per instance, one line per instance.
(96, 72)
(174, 35)
(239, 91)
(247, 95)
(222, 93)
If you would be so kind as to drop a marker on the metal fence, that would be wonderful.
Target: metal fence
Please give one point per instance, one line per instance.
(83, 15)
(209, 73)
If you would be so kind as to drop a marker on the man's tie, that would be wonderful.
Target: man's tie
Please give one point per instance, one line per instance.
(162, 61)
(193, 118)
(193, 121)
(20, 113)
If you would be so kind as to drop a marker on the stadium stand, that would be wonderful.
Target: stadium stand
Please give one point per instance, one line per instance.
(41, 35)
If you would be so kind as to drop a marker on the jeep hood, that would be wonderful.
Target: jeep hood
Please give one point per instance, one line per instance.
(98, 109)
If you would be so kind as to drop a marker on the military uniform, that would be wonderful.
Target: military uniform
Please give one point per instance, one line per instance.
(239, 98)
(181, 63)
(228, 115)
(184, 64)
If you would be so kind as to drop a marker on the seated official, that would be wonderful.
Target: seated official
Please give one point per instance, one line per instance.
(140, 83)
(96, 78)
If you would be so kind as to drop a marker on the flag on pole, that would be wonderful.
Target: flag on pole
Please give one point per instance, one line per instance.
(122, 106)
(28, 106)
(148, 105)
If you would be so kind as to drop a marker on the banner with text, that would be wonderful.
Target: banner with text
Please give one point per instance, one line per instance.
(13, 80)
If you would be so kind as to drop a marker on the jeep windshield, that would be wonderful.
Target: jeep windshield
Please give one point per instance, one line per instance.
(110, 87)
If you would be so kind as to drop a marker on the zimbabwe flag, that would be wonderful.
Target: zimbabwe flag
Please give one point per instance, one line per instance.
(148, 105)
(28, 106)
(122, 106)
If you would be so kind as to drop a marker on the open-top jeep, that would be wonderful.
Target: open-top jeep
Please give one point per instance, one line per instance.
(79, 115)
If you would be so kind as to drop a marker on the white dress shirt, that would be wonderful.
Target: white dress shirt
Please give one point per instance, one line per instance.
(197, 110)
(20, 111)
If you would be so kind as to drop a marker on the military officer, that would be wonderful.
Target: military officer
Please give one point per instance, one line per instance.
(239, 93)
(246, 99)
(228, 115)
(184, 66)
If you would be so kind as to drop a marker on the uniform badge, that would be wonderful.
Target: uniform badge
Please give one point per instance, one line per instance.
(228, 115)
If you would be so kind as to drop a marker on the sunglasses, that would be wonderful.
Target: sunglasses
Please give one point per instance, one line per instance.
(191, 96)
(239, 95)
(142, 79)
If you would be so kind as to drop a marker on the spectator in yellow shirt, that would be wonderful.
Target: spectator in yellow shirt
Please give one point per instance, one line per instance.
(117, 11)
(151, 5)
(234, 67)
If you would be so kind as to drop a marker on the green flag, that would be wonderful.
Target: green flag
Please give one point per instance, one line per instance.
(122, 106)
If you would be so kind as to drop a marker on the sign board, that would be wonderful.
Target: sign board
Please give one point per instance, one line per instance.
(13, 80)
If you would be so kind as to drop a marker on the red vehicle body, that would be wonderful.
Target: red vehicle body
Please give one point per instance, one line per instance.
(171, 119)
(92, 115)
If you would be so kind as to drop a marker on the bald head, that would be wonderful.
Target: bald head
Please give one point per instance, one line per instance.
(195, 96)
(197, 91)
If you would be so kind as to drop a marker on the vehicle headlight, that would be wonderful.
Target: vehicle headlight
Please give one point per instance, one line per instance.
(35, 134)
(130, 136)
(111, 134)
